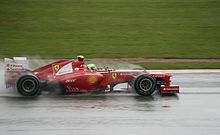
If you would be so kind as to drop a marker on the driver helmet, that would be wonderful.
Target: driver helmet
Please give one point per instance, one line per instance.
(80, 58)
(91, 67)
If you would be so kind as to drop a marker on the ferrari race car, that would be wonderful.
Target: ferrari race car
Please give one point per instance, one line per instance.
(73, 76)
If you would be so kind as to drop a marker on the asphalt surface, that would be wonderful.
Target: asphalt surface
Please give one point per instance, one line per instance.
(196, 110)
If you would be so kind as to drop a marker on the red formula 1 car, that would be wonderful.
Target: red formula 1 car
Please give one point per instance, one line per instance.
(73, 76)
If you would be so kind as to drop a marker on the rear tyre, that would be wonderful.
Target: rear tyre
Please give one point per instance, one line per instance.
(28, 85)
(145, 85)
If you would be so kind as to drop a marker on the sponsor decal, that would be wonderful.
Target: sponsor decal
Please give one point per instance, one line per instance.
(126, 73)
(56, 67)
(14, 67)
(171, 88)
(92, 79)
(70, 81)
(76, 69)
(114, 75)
(158, 75)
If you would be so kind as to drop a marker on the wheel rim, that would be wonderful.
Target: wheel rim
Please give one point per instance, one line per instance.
(28, 85)
(145, 85)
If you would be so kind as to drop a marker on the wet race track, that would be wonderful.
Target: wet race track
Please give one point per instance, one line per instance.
(196, 110)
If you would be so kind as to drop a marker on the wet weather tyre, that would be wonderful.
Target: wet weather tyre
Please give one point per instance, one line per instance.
(145, 85)
(28, 85)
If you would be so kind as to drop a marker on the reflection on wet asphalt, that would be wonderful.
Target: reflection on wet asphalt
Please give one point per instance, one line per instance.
(194, 111)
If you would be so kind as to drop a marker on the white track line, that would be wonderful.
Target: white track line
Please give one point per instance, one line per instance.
(186, 71)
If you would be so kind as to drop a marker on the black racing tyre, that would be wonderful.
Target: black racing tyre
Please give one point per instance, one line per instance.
(28, 85)
(145, 85)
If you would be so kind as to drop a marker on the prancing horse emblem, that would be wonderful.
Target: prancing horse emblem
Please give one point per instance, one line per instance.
(114, 75)
(56, 67)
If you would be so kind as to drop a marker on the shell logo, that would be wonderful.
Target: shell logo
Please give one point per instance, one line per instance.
(114, 75)
(92, 79)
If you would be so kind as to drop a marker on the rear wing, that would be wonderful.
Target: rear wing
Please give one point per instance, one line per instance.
(13, 69)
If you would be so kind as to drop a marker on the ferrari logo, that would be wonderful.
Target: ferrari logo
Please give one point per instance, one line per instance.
(56, 67)
(114, 75)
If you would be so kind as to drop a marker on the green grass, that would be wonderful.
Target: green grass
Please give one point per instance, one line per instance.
(110, 28)
(180, 65)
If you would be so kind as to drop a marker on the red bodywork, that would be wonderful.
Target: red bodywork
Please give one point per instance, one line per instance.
(75, 77)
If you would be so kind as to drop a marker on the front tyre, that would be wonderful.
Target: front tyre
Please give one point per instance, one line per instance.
(145, 85)
(28, 85)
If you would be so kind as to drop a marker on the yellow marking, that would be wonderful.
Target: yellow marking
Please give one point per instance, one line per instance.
(56, 67)
(114, 75)
(92, 79)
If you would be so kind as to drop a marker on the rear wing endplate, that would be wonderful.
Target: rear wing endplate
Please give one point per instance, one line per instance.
(13, 69)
